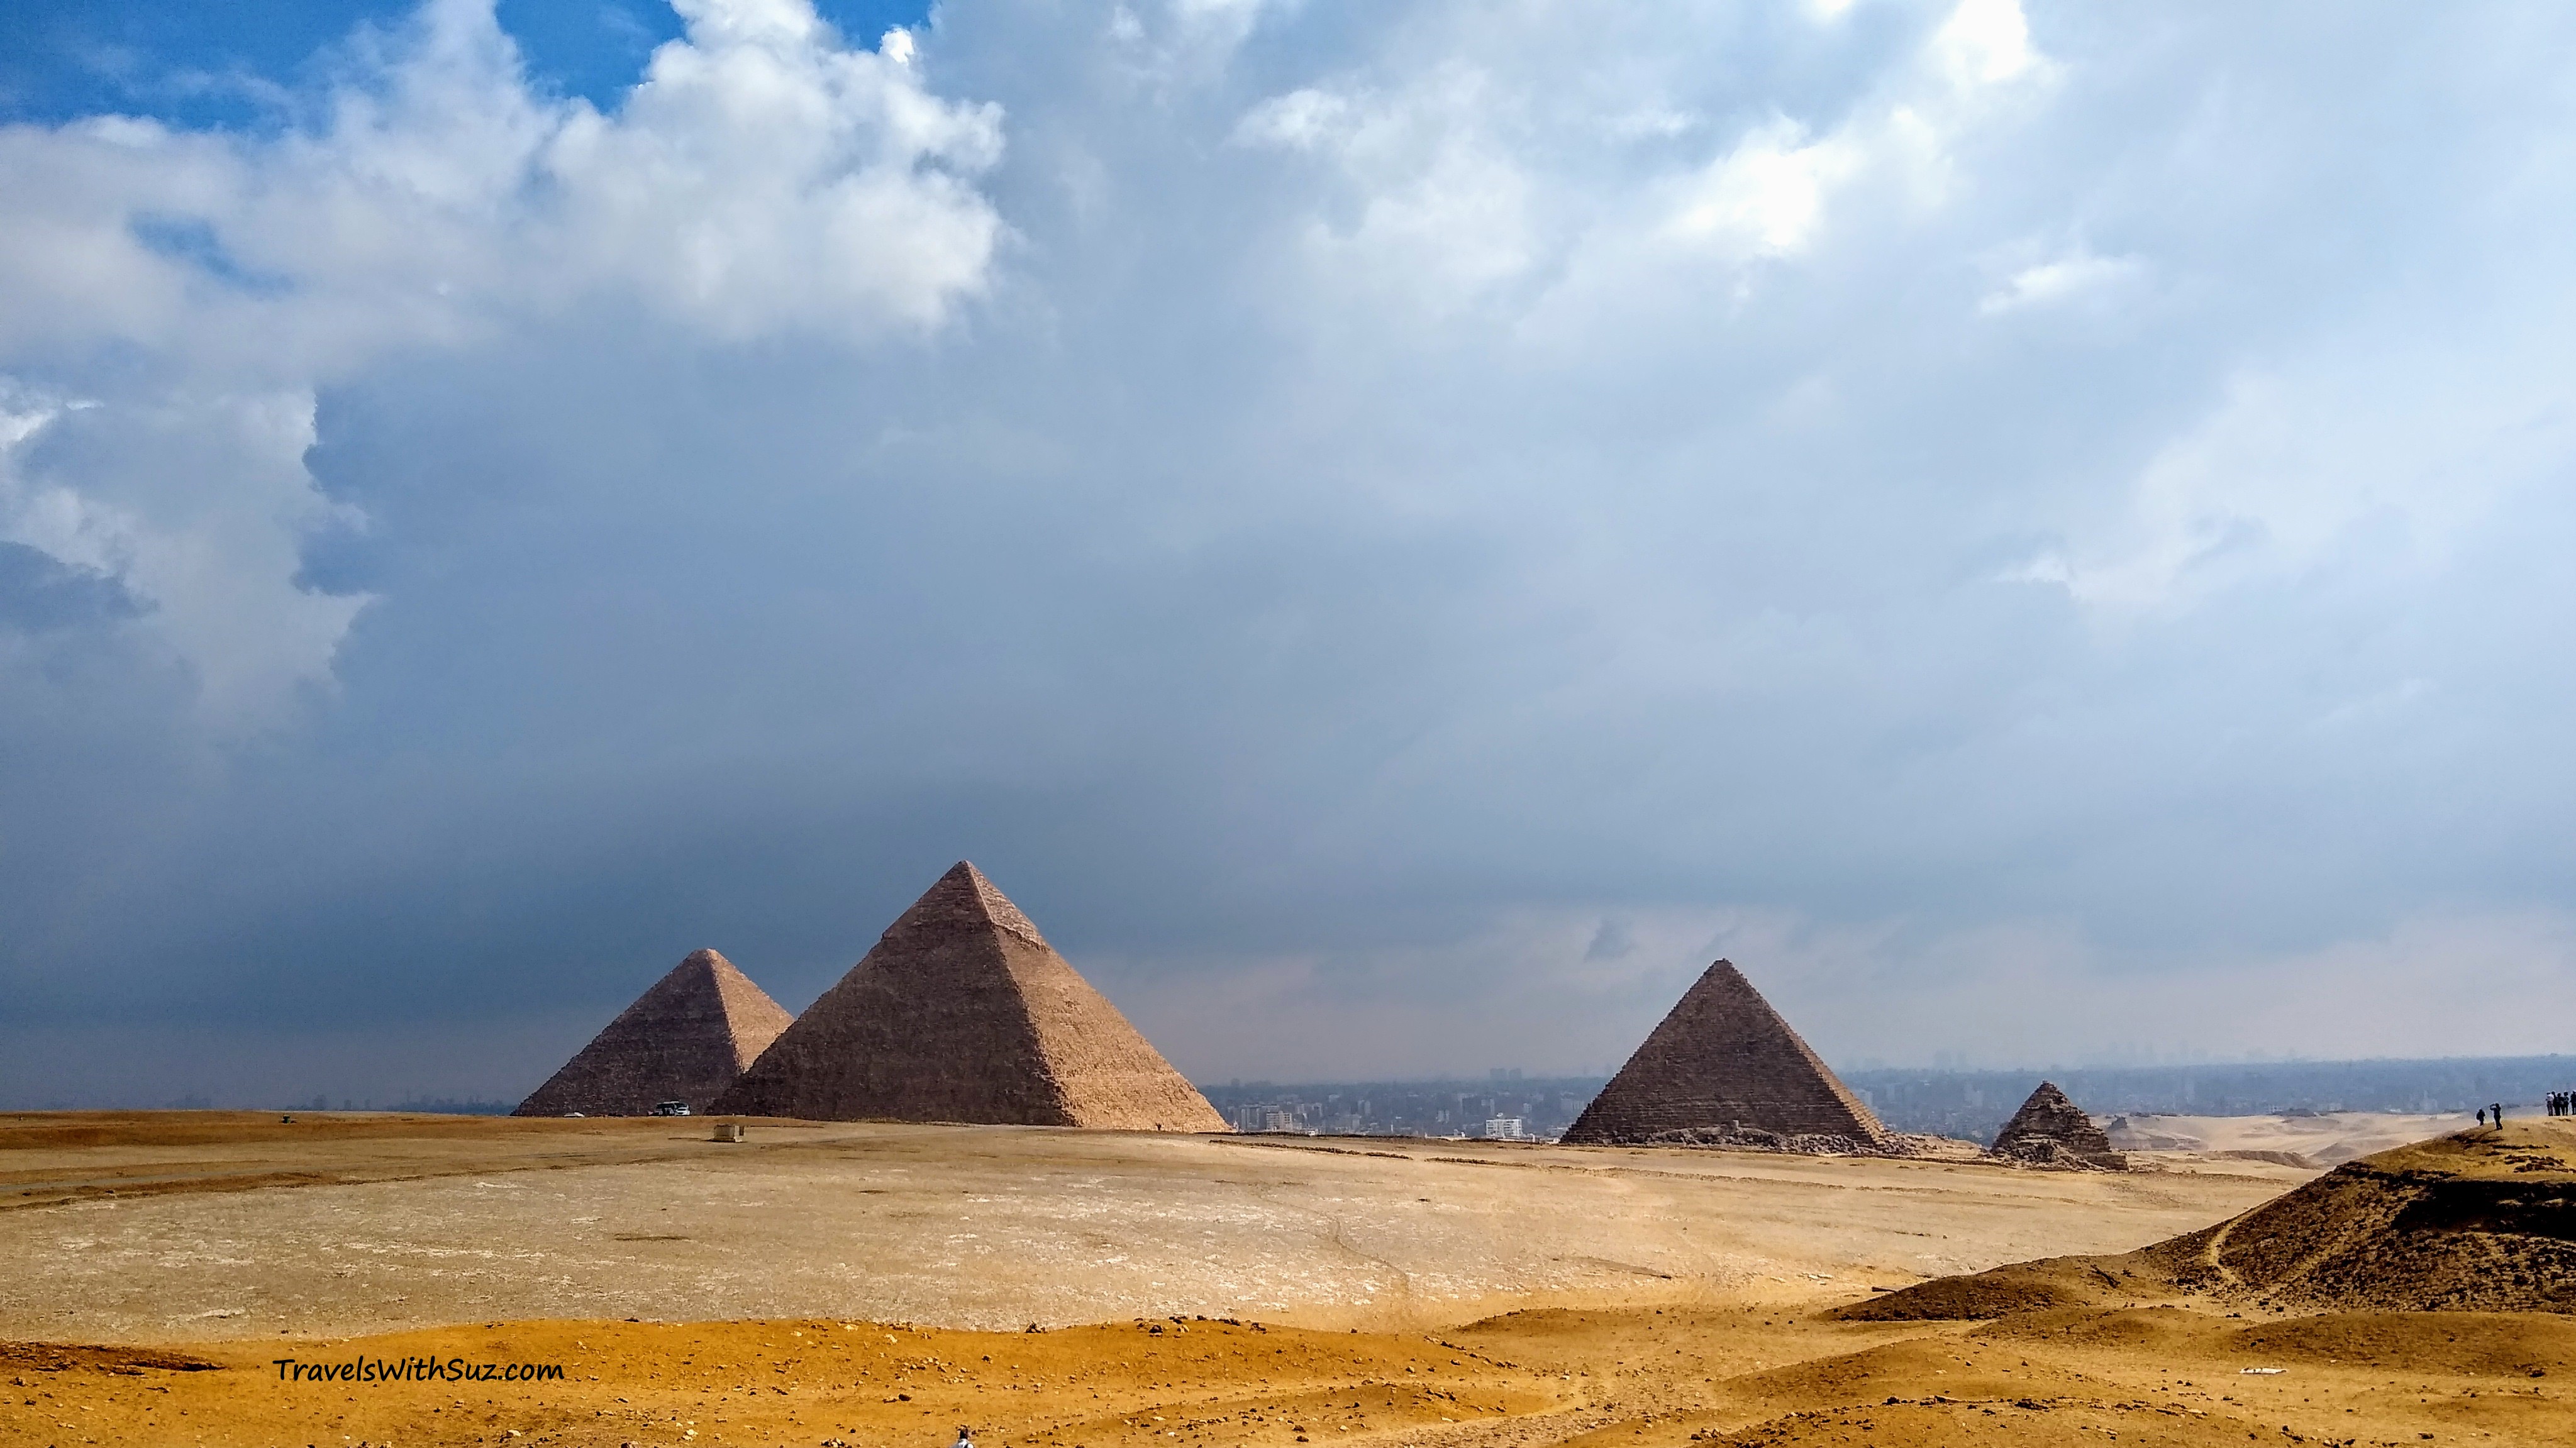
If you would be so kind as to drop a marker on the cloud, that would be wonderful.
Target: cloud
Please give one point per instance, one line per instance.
(1396, 536)
(760, 176)
(1984, 43)
(760, 179)
(2054, 283)
(195, 509)
(1766, 196)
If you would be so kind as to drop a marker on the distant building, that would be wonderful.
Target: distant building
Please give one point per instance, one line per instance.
(1505, 1128)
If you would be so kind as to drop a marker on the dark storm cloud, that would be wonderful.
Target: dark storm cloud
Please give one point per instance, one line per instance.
(1411, 534)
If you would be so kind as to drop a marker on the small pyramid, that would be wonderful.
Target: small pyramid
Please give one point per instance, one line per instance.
(1723, 1060)
(2049, 1127)
(686, 1039)
(963, 1012)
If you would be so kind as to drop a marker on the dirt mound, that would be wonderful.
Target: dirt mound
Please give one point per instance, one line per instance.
(56, 1357)
(2166, 1328)
(2481, 1220)
(2477, 1221)
(2022, 1287)
(59, 1130)
(2471, 1344)
(2277, 1158)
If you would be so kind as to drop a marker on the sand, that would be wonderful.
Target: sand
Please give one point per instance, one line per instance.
(2328, 1138)
(986, 1227)
(820, 1284)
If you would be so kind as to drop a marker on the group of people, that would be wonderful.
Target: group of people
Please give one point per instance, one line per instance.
(2562, 1103)
(2491, 1115)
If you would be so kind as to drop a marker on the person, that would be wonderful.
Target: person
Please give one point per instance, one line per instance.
(965, 1439)
(2482, 1116)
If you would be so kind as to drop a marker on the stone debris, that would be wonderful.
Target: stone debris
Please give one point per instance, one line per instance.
(2050, 1130)
(1814, 1143)
(1754, 1138)
(963, 1012)
(686, 1039)
(1722, 1064)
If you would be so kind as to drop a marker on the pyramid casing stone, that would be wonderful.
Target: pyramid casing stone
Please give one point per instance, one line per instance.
(685, 1039)
(962, 1012)
(1721, 1061)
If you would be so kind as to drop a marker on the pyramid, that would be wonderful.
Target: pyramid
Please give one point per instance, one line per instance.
(2049, 1127)
(1721, 1061)
(963, 1012)
(686, 1039)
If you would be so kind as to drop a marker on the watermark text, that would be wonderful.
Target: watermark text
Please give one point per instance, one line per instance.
(414, 1370)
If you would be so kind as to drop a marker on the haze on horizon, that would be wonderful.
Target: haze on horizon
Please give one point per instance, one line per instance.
(1395, 532)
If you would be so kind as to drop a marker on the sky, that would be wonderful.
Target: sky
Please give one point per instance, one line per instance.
(1396, 532)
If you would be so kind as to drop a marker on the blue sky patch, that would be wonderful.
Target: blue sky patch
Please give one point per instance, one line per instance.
(197, 65)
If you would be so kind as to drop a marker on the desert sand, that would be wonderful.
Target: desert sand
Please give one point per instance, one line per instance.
(843, 1283)
(2327, 1138)
(358, 1225)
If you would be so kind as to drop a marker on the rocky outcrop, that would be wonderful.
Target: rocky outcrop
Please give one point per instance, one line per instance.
(685, 1039)
(963, 1012)
(1723, 1062)
(2478, 1221)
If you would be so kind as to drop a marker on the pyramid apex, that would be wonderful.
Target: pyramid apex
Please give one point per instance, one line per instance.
(967, 895)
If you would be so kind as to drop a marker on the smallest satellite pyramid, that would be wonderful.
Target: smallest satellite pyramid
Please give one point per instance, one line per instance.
(686, 1039)
(1723, 1061)
(2051, 1128)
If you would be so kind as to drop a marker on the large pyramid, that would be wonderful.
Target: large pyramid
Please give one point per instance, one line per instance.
(1723, 1059)
(686, 1039)
(2051, 1128)
(963, 1012)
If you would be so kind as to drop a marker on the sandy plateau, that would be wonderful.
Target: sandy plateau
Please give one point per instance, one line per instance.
(868, 1284)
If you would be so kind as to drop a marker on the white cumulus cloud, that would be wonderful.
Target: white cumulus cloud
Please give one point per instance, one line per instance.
(762, 178)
